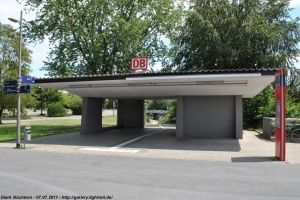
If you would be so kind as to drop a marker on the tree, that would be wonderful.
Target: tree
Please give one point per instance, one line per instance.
(158, 104)
(76, 105)
(99, 37)
(46, 96)
(9, 55)
(172, 111)
(232, 34)
(293, 84)
(262, 105)
(56, 110)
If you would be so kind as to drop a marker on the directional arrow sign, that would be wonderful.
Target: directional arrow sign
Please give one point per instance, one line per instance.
(10, 90)
(10, 83)
(28, 79)
(25, 89)
(13, 90)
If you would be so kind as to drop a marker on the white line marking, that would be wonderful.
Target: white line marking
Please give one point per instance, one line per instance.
(116, 148)
(135, 139)
(111, 150)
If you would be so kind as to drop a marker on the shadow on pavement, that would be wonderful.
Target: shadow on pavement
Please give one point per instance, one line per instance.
(254, 159)
(262, 137)
(163, 139)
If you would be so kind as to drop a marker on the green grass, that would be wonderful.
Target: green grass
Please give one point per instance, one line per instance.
(109, 121)
(46, 127)
(6, 117)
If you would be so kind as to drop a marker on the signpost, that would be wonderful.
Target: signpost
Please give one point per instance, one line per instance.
(10, 90)
(13, 90)
(11, 87)
(14, 87)
(10, 83)
(139, 63)
(280, 122)
(25, 89)
(28, 79)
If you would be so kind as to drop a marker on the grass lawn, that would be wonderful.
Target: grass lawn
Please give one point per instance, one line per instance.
(109, 121)
(47, 127)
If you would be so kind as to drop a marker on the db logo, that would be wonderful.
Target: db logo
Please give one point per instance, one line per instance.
(139, 63)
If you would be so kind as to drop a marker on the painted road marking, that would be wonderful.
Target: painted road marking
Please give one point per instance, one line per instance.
(135, 139)
(117, 147)
(111, 150)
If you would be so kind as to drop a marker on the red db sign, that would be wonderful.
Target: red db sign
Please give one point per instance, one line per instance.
(139, 63)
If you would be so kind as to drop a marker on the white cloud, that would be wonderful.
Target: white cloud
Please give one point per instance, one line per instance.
(295, 3)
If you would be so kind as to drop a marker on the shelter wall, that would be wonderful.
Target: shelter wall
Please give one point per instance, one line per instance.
(131, 113)
(209, 116)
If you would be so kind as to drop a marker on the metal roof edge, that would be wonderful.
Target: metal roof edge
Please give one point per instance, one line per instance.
(264, 72)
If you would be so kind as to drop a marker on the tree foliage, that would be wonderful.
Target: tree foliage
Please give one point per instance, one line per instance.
(263, 105)
(75, 104)
(172, 111)
(158, 104)
(46, 96)
(71, 101)
(99, 37)
(9, 57)
(110, 104)
(56, 110)
(232, 34)
(293, 84)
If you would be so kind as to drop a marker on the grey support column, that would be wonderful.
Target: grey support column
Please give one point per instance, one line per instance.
(179, 117)
(238, 117)
(91, 120)
(131, 113)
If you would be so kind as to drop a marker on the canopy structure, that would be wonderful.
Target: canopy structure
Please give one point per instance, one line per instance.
(246, 83)
(209, 102)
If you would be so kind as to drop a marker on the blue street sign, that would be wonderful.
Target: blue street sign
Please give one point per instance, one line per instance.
(10, 83)
(13, 90)
(28, 79)
(25, 89)
(10, 90)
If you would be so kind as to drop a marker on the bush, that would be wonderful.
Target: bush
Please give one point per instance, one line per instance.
(172, 111)
(56, 110)
(147, 118)
(76, 108)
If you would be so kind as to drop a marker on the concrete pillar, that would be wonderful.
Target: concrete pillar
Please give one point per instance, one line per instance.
(179, 117)
(91, 119)
(131, 113)
(238, 117)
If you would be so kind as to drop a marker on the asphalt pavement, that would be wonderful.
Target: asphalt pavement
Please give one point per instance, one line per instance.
(148, 164)
(36, 174)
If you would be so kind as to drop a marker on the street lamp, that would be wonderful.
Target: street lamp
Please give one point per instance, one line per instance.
(19, 80)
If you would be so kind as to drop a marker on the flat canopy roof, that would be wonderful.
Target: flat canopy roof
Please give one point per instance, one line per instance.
(247, 83)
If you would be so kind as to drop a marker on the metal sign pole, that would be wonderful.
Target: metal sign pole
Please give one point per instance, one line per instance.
(19, 85)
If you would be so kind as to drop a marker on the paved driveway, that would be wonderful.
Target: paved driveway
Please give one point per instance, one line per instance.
(162, 143)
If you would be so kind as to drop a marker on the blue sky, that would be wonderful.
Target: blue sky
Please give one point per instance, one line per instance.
(10, 8)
